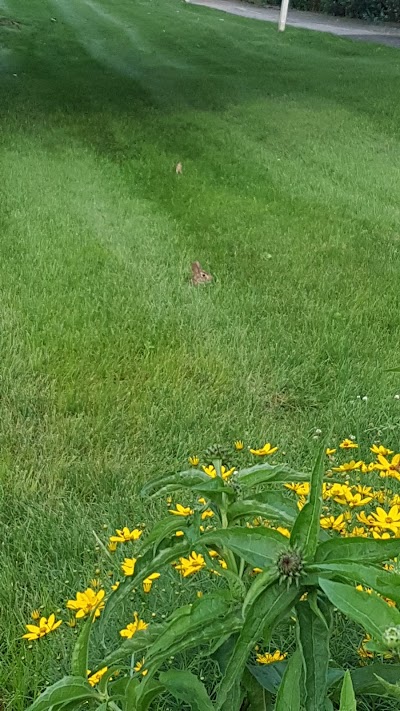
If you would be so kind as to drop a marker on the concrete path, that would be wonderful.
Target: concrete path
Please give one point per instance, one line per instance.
(352, 29)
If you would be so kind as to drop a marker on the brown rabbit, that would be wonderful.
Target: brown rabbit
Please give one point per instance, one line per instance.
(199, 276)
(178, 169)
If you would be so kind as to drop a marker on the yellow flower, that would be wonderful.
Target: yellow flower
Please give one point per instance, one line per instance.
(191, 565)
(95, 678)
(128, 566)
(366, 468)
(375, 449)
(380, 496)
(256, 571)
(223, 563)
(365, 490)
(112, 546)
(181, 510)
(35, 614)
(381, 536)
(301, 488)
(134, 627)
(124, 535)
(95, 583)
(348, 444)
(239, 445)
(72, 622)
(148, 582)
(115, 586)
(363, 653)
(393, 467)
(45, 626)
(395, 500)
(390, 602)
(283, 531)
(362, 589)
(389, 520)
(86, 602)
(213, 554)
(226, 473)
(268, 658)
(347, 498)
(366, 520)
(301, 502)
(194, 460)
(179, 534)
(207, 514)
(139, 668)
(357, 532)
(329, 451)
(267, 449)
(348, 466)
(335, 524)
(211, 472)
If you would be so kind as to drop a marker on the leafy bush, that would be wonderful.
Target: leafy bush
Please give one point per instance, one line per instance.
(384, 10)
(279, 554)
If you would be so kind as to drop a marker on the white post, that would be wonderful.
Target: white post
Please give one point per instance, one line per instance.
(283, 15)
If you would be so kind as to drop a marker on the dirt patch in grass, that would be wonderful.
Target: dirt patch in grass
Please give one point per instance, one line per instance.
(9, 22)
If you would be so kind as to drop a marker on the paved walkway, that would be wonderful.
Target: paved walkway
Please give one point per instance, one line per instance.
(352, 29)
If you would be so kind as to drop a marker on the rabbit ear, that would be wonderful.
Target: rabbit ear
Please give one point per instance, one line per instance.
(196, 268)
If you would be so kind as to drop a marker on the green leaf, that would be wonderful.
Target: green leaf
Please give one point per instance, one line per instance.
(261, 582)
(392, 690)
(223, 652)
(143, 695)
(253, 508)
(185, 686)
(181, 480)
(366, 550)
(258, 698)
(80, 654)
(314, 634)
(163, 529)
(260, 547)
(269, 675)
(347, 696)
(189, 619)
(130, 688)
(288, 697)
(369, 610)
(141, 641)
(384, 582)
(68, 689)
(267, 609)
(365, 679)
(235, 697)
(190, 626)
(305, 532)
(193, 479)
(269, 474)
(103, 683)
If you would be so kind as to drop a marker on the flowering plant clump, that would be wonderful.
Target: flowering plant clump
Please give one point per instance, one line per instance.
(267, 546)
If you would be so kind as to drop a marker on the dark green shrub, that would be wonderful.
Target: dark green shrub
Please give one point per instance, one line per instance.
(380, 10)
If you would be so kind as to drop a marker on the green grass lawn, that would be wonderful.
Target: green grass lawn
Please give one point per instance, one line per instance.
(113, 368)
